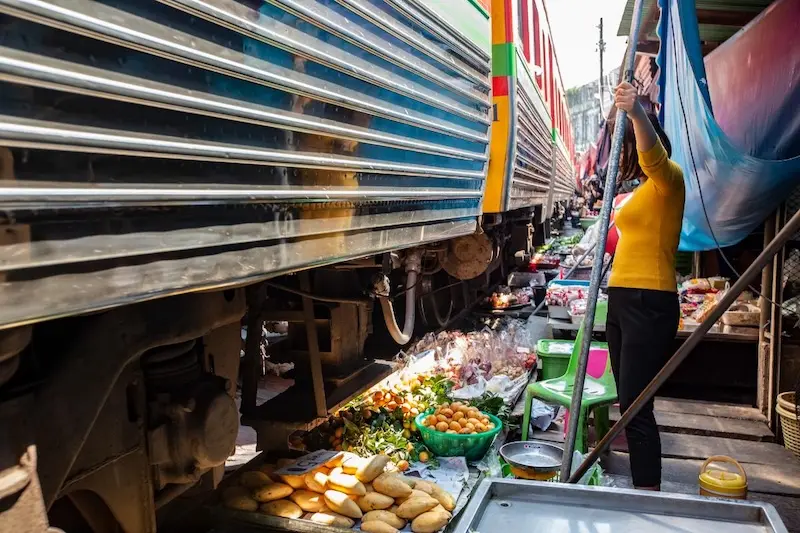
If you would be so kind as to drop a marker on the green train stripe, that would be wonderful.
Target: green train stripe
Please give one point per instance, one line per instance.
(503, 60)
(479, 7)
(466, 18)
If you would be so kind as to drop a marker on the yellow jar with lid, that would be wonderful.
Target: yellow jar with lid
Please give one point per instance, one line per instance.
(720, 482)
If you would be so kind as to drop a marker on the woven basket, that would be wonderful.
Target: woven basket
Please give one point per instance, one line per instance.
(786, 409)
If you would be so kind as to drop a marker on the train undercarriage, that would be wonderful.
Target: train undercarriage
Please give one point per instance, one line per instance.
(118, 413)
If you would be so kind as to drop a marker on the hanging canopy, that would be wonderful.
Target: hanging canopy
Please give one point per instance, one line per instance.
(732, 171)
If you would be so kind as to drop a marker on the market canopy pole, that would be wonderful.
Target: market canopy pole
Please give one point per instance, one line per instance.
(749, 275)
(597, 266)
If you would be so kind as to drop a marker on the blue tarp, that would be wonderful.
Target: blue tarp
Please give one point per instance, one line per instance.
(739, 190)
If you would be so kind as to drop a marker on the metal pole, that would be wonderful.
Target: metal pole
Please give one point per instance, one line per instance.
(601, 47)
(728, 298)
(597, 267)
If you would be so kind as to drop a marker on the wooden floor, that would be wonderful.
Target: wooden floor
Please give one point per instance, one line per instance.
(692, 431)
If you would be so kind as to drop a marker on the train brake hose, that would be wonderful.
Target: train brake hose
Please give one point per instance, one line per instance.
(413, 266)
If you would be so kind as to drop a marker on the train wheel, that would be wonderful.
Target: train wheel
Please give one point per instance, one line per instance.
(437, 301)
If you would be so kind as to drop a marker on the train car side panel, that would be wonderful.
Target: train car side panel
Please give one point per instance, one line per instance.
(159, 148)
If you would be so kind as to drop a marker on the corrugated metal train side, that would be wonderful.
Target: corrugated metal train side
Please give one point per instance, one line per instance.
(157, 148)
(532, 150)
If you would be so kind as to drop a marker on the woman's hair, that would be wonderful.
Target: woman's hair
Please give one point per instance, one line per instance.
(629, 162)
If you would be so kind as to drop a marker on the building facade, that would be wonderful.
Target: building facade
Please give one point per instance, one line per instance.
(585, 111)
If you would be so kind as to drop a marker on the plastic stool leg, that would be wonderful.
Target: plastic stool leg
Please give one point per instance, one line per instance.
(526, 417)
(602, 422)
(581, 443)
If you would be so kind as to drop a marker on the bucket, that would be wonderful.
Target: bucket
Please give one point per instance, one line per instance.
(787, 411)
(555, 356)
(722, 483)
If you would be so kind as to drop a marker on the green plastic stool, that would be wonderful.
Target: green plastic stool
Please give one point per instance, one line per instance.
(598, 394)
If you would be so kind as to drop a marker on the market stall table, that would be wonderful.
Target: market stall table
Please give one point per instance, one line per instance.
(566, 325)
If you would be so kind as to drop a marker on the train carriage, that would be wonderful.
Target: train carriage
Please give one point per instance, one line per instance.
(174, 170)
(531, 151)
(167, 132)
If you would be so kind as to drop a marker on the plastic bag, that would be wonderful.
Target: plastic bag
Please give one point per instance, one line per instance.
(490, 465)
(588, 241)
(577, 307)
(542, 415)
(562, 295)
(593, 476)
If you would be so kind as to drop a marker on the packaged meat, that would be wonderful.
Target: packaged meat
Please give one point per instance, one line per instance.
(577, 307)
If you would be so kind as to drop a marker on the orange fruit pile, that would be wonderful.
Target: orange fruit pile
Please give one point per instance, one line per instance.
(458, 418)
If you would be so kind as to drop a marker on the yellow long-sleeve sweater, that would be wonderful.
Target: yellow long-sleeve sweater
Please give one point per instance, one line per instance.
(649, 226)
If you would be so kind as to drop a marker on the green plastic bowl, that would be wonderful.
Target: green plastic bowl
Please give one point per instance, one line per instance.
(472, 446)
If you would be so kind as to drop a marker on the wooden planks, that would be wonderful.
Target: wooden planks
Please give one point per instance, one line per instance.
(768, 479)
(729, 421)
(692, 431)
(715, 426)
(788, 506)
(679, 446)
(694, 407)
(555, 433)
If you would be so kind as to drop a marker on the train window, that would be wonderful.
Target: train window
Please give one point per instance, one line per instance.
(560, 117)
(537, 44)
(558, 114)
(523, 8)
(551, 70)
(546, 69)
(555, 117)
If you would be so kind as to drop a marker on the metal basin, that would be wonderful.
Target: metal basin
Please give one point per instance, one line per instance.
(532, 459)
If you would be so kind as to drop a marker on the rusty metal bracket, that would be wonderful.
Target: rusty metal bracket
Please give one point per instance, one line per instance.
(315, 361)
(251, 366)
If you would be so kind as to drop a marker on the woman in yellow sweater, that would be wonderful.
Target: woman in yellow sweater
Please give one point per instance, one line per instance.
(643, 309)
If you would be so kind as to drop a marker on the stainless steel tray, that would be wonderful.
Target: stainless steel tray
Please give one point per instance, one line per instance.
(500, 506)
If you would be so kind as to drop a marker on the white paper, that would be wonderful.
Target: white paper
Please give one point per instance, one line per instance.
(451, 474)
(307, 463)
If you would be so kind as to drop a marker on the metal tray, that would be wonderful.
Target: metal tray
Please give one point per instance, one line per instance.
(503, 505)
(229, 518)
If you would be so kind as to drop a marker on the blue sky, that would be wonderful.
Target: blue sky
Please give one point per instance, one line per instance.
(575, 35)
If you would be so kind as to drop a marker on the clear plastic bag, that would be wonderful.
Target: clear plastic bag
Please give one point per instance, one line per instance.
(593, 476)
